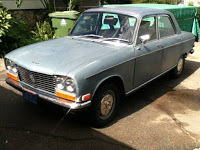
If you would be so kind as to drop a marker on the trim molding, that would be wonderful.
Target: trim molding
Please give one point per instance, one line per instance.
(136, 58)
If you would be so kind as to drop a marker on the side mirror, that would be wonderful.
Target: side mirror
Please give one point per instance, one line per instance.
(144, 38)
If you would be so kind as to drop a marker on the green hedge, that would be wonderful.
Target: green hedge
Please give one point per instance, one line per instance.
(16, 33)
(5, 19)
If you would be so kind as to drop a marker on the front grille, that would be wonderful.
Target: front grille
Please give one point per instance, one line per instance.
(38, 80)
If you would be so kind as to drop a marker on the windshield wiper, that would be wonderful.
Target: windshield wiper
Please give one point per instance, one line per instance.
(116, 39)
(93, 36)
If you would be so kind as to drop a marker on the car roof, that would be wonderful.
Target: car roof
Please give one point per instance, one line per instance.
(132, 11)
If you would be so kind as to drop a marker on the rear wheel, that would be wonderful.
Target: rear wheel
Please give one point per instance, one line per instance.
(178, 70)
(104, 104)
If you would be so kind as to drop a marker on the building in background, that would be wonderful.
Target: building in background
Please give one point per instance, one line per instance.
(27, 4)
(59, 4)
(30, 8)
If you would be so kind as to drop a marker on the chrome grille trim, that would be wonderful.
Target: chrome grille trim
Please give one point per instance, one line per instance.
(42, 81)
(36, 90)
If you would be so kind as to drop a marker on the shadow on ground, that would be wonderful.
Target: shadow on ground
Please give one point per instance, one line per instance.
(153, 91)
(28, 126)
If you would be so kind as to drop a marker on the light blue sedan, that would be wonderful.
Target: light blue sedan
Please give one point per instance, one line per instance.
(110, 53)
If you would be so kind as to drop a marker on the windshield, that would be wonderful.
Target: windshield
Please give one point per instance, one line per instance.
(106, 26)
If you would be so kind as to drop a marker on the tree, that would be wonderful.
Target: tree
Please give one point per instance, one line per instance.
(73, 4)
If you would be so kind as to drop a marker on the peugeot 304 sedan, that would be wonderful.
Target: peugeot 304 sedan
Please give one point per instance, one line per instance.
(110, 52)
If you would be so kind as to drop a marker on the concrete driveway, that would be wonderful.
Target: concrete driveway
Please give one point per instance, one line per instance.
(163, 115)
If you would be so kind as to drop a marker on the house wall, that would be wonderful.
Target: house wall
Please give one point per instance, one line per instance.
(36, 4)
(30, 9)
(29, 15)
(27, 4)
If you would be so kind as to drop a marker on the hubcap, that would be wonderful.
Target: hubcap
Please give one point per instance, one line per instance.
(107, 105)
(180, 65)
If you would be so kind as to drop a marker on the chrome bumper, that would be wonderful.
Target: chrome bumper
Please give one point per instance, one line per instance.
(50, 98)
(73, 106)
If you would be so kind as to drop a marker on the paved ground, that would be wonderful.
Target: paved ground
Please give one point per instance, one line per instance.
(163, 115)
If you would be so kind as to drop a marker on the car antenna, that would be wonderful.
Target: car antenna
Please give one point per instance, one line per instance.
(53, 131)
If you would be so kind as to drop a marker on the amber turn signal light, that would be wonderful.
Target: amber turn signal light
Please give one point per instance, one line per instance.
(65, 95)
(12, 76)
(86, 97)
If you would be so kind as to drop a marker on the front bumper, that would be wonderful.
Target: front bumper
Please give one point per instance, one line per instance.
(48, 97)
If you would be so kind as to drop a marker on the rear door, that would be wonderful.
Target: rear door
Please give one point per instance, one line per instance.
(171, 42)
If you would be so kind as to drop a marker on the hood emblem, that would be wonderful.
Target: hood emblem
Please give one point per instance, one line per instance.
(35, 63)
(32, 78)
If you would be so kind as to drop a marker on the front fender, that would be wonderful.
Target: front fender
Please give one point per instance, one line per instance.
(106, 79)
(124, 71)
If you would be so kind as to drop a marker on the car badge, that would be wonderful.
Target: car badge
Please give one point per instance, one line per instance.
(32, 78)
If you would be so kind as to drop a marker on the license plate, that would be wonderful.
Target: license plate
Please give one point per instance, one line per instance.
(30, 97)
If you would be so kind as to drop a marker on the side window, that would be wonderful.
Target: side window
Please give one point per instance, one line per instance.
(165, 26)
(147, 26)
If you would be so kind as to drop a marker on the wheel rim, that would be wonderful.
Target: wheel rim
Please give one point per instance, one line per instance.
(180, 65)
(107, 105)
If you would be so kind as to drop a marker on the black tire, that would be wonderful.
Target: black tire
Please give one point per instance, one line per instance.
(103, 94)
(177, 71)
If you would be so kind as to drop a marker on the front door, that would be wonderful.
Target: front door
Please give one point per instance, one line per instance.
(149, 54)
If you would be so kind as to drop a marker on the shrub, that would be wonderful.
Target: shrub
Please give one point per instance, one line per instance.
(15, 37)
(43, 32)
(5, 18)
(73, 4)
(153, 1)
(15, 33)
(191, 4)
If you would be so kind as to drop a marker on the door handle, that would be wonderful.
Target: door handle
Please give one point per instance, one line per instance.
(179, 39)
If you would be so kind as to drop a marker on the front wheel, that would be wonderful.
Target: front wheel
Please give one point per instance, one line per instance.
(104, 105)
(178, 70)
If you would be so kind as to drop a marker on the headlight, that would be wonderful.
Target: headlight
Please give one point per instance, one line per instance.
(11, 67)
(70, 86)
(60, 83)
(8, 64)
(66, 84)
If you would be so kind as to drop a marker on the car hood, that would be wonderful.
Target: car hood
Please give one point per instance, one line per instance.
(60, 56)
